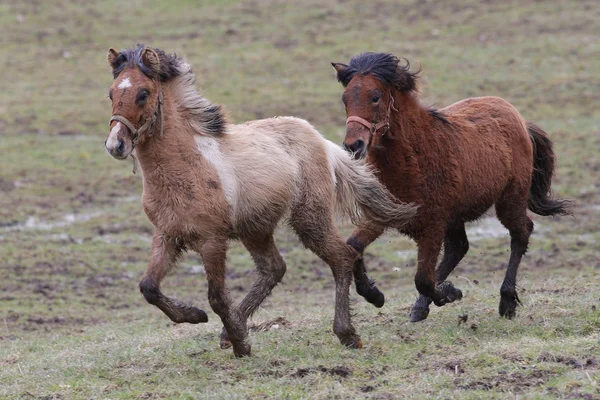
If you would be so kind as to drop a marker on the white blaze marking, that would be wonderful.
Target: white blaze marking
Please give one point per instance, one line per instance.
(209, 147)
(125, 83)
(113, 140)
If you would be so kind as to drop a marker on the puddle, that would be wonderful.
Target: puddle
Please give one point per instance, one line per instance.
(485, 228)
(36, 224)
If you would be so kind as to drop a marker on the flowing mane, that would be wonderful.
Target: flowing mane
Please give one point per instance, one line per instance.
(204, 117)
(385, 67)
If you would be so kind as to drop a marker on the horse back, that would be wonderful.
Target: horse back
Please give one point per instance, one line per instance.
(491, 148)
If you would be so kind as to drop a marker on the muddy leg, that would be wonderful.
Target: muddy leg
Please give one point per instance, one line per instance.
(321, 236)
(456, 246)
(515, 219)
(425, 279)
(165, 252)
(213, 254)
(271, 269)
(365, 287)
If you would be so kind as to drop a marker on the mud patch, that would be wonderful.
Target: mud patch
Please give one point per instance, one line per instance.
(587, 362)
(514, 381)
(339, 371)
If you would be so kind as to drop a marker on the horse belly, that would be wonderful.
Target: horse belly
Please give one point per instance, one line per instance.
(485, 180)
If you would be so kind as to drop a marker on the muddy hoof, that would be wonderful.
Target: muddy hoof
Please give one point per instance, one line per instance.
(196, 316)
(242, 350)
(446, 293)
(353, 343)
(224, 342)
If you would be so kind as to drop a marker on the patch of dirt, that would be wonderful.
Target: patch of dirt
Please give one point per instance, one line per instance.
(270, 325)
(340, 371)
(514, 381)
(589, 362)
(6, 185)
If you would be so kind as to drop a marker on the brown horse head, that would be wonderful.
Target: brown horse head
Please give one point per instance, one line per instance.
(369, 81)
(136, 96)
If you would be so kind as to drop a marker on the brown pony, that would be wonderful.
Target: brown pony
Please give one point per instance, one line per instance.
(207, 182)
(455, 163)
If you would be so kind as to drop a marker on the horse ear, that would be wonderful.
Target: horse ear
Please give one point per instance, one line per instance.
(151, 60)
(112, 57)
(339, 67)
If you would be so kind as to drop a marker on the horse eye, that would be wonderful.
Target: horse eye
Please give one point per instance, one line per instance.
(141, 97)
(375, 99)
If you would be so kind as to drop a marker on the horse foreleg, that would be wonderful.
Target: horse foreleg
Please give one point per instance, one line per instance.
(425, 278)
(213, 255)
(165, 252)
(362, 237)
(270, 267)
(456, 246)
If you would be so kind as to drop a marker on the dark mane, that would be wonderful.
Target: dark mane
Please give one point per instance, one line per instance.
(437, 114)
(169, 63)
(385, 67)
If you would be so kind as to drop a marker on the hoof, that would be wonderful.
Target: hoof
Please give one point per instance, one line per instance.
(375, 297)
(353, 343)
(196, 316)
(224, 342)
(446, 293)
(508, 305)
(242, 350)
(418, 314)
(420, 310)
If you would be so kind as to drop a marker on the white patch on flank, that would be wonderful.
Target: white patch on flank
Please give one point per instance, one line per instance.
(125, 83)
(209, 147)
(113, 140)
(334, 152)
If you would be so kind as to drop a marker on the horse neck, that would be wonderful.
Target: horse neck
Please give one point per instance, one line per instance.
(404, 146)
(409, 125)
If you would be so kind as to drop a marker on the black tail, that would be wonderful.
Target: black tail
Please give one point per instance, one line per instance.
(540, 195)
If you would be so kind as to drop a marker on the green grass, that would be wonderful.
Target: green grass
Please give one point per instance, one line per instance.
(74, 240)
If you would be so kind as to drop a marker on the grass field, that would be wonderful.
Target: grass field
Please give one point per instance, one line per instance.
(74, 240)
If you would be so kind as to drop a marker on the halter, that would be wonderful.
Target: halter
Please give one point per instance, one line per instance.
(148, 124)
(372, 126)
(137, 132)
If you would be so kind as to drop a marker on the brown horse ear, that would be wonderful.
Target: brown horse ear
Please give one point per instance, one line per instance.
(151, 60)
(111, 57)
(339, 67)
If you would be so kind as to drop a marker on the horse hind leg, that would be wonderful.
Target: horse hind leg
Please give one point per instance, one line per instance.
(165, 252)
(271, 269)
(456, 245)
(511, 210)
(313, 223)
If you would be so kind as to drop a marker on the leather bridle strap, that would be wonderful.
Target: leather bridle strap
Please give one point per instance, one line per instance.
(372, 126)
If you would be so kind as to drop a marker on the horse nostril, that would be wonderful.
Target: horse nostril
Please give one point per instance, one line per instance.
(358, 146)
(121, 146)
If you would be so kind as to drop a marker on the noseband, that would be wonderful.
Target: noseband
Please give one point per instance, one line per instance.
(372, 126)
(148, 124)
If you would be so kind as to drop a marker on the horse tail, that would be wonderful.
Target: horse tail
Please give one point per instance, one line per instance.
(540, 194)
(361, 197)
